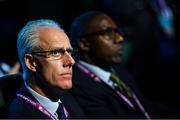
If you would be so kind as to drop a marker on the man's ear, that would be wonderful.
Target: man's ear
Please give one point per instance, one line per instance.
(84, 44)
(30, 62)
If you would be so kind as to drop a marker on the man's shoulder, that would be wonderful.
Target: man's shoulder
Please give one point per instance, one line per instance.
(79, 75)
(19, 108)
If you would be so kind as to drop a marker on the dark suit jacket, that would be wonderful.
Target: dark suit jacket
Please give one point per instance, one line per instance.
(10, 84)
(19, 108)
(98, 100)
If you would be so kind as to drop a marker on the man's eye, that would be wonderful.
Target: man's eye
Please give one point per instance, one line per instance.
(55, 53)
(70, 51)
(103, 33)
(110, 31)
(107, 32)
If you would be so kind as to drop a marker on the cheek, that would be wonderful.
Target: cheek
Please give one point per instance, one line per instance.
(105, 49)
(50, 70)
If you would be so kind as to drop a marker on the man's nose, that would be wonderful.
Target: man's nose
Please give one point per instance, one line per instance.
(118, 38)
(68, 59)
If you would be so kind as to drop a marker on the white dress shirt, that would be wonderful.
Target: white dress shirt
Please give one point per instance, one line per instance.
(105, 76)
(102, 74)
(49, 105)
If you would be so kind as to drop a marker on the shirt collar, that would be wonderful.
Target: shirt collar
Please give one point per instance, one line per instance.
(102, 74)
(49, 105)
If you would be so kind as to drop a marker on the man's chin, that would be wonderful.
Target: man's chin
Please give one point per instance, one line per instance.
(117, 60)
(67, 85)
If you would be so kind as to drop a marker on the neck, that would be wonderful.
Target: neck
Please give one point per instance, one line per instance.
(45, 89)
(36, 88)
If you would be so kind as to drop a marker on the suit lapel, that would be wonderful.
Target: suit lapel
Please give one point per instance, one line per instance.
(30, 108)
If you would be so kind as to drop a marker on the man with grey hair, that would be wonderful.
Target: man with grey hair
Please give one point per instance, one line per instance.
(45, 54)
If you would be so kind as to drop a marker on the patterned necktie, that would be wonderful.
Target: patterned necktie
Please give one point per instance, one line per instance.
(120, 85)
(132, 100)
(60, 112)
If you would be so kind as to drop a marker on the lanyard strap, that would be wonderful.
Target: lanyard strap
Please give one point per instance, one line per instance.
(141, 106)
(98, 79)
(36, 105)
(88, 72)
(66, 112)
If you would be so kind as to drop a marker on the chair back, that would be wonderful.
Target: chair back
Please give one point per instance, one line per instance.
(9, 85)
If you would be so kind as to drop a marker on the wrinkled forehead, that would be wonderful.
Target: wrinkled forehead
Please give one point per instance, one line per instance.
(53, 38)
(101, 22)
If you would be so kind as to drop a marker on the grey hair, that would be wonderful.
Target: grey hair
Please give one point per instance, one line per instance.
(28, 36)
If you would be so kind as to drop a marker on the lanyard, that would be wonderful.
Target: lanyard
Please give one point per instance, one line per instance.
(37, 106)
(98, 79)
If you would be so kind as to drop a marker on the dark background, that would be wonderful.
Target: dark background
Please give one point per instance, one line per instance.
(151, 57)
